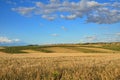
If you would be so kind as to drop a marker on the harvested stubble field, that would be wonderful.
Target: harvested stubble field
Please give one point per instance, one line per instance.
(61, 66)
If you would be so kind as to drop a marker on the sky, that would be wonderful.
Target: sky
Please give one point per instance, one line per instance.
(59, 21)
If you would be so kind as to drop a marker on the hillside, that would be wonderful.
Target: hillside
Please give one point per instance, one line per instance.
(65, 48)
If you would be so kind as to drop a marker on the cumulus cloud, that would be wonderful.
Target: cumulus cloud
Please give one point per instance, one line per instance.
(7, 40)
(48, 17)
(93, 11)
(69, 17)
(24, 10)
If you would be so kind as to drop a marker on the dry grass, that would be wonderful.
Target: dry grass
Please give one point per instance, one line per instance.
(60, 66)
(31, 51)
(98, 49)
(1, 47)
(61, 50)
(65, 48)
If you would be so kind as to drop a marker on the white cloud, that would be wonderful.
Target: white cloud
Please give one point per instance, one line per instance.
(54, 1)
(63, 28)
(24, 10)
(110, 37)
(113, 34)
(118, 34)
(16, 40)
(69, 17)
(95, 12)
(114, 37)
(104, 15)
(55, 35)
(91, 38)
(7, 40)
(48, 17)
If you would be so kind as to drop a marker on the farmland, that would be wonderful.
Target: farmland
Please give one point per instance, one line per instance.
(61, 62)
(66, 48)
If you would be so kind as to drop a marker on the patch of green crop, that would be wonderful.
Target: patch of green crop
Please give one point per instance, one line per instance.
(41, 50)
(111, 47)
(12, 50)
(18, 49)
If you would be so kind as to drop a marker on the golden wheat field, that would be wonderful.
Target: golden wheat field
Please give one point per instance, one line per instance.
(60, 66)
(61, 62)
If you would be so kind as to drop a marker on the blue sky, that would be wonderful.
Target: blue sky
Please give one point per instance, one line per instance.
(59, 21)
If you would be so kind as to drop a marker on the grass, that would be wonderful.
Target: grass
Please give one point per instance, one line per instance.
(88, 67)
(112, 47)
(84, 50)
(18, 49)
(12, 50)
(78, 47)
